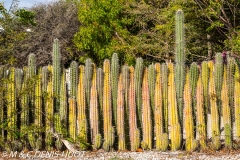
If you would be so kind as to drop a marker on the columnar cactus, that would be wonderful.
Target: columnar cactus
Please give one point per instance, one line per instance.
(138, 86)
(100, 88)
(134, 131)
(237, 102)
(218, 78)
(2, 115)
(73, 79)
(56, 60)
(88, 80)
(114, 84)
(72, 118)
(49, 110)
(31, 65)
(151, 84)
(226, 111)
(45, 75)
(107, 108)
(58, 129)
(193, 78)
(146, 113)
(164, 78)
(161, 137)
(120, 115)
(180, 61)
(94, 112)
(191, 143)
(18, 79)
(11, 105)
(63, 103)
(205, 82)
(230, 81)
(201, 123)
(214, 109)
(81, 103)
(175, 128)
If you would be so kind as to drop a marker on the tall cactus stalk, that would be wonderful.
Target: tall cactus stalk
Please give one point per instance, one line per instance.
(193, 78)
(151, 84)
(138, 86)
(114, 84)
(180, 61)
(201, 123)
(205, 82)
(72, 118)
(107, 108)
(100, 88)
(214, 109)
(49, 110)
(120, 115)
(88, 80)
(134, 131)
(226, 111)
(11, 106)
(81, 116)
(230, 82)
(73, 79)
(161, 137)
(2, 91)
(146, 113)
(63, 103)
(191, 143)
(218, 78)
(237, 102)
(94, 112)
(164, 78)
(175, 128)
(38, 110)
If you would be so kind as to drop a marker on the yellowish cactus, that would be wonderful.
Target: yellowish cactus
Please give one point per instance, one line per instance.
(201, 125)
(214, 109)
(72, 118)
(237, 102)
(191, 144)
(175, 128)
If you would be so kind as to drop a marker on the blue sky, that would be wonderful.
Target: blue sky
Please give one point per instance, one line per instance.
(24, 3)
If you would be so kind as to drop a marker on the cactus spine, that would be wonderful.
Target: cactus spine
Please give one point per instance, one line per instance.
(191, 144)
(226, 111)
(214, 110)
(134, 131)
(180, 61)
(81, 116)
(114, 84)
(175, 129)
(56, 60)
(138, 86)
(237, 102)
(201, 123)
(120, 115)
(107, 108)
(161, 137)
(94, 112)
(11, 106)
(146, 113)
(49, 110)
(164, 78)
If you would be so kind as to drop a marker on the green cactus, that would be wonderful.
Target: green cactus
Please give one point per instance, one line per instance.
(175, 128)
(63, 103)
(94, 112)
(201, 123)
(237, 102)
(218, 78)
(73, 79)
(146, 113)
(2, 91)
(164, 79)
(11, 106)
(134, 131)
(205, 82)
(180, 61)
(138, 86)
(151, 84)
(226, 109)
(81, 103)
(58, 129)
(18, 79)
(72, 119)
(114, 84)
(191, 143)
(107, 108)
(88, 80)
(120, 115)
(45, 75)
(49, 111)
(214, 109)
(31, 65)
(194, 73)
(161, 137)
(56, 60)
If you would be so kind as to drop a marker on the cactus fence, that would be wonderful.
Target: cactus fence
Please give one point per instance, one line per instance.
(161, 106)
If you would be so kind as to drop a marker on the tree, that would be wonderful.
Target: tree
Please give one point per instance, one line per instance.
(13, 23)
